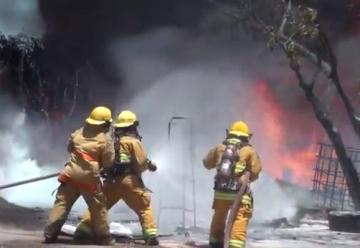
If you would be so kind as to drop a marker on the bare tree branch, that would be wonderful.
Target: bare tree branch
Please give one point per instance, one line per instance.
(334, 79)
(297, 33)
(353, 182)
(285, 17)
(75, 94)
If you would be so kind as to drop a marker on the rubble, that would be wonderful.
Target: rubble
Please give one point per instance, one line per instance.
(279, 223)
(309, 233)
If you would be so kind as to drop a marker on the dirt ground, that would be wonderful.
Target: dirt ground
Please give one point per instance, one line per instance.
(22, 227)
(12, 237)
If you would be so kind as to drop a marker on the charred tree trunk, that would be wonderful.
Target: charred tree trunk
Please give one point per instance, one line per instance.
(334, 79)
(347, 165)
(295, 28)
(351, 111)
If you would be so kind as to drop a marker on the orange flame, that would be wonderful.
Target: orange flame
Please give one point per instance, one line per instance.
(290, 139)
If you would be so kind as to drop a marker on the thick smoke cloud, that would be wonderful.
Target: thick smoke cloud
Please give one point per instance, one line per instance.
(79, 31)
(211, 79)
(17, 139)
(17, 164)
(165, 61)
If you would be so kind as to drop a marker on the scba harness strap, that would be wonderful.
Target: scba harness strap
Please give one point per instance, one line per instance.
(230, 168)
(123, 163)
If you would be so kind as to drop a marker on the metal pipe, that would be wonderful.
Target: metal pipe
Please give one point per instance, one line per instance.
(183, 176)
(29, 181)
(192, 158)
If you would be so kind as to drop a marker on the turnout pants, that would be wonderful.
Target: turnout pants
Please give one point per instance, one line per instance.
(129, 189)
(222, 204)
(66, 196)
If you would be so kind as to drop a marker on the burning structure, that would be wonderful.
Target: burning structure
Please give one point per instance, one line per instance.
(157, 55)
(329, 184)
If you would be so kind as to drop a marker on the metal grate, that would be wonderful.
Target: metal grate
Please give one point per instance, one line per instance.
(329, 185)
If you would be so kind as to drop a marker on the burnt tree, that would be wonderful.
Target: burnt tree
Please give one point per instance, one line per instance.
(23, 77)
(293, 27)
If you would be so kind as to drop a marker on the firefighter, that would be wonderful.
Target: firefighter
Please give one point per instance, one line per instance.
(123, 180)
(90, 149)
(232, 159)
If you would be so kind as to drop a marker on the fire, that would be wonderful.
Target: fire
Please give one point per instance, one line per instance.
(290, 136)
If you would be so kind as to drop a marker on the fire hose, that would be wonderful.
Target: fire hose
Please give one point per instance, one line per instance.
(152, 167)
(235, 208)
(28, 181)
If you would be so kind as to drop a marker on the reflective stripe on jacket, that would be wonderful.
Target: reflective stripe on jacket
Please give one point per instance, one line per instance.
(85, 156)
(229, 196)
(91, 187)
(132, 150)
(125, 158)
(248, 160)
(90, 150)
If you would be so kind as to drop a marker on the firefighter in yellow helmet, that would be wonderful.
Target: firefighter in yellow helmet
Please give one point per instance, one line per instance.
(90, 149)
(232, 158)
(123, 180)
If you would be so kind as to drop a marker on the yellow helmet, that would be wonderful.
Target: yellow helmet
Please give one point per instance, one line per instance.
(99, 115)
(239, 128)
(125, 119)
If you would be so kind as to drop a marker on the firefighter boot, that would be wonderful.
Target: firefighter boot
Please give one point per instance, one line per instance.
(216, 245)
(50, 239)
(105, 240)
(83, 231)
(152, 241)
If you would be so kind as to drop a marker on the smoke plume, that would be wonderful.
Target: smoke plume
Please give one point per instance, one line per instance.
(211, 79)
(179, 64)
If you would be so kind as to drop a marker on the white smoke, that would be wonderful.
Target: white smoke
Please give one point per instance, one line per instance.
(206, 78)
(17, 163)
(271, 202)
(19, 16)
